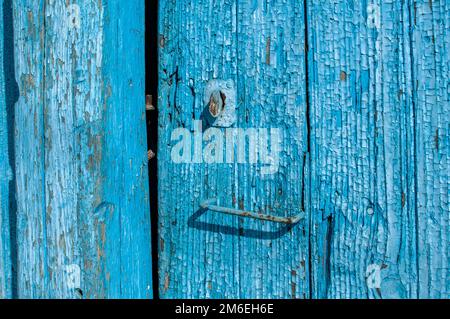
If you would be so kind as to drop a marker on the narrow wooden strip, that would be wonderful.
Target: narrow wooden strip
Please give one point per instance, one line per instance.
(5, 174)
(272, 94)
(430, 36)
(125, 160)
(33, 274)
(197, 44)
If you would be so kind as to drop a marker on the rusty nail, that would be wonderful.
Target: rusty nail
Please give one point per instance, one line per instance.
(149, 103)
(151, 154)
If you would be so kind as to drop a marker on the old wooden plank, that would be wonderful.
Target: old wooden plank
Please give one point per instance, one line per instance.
(430, 62)
(272, 94)
(206, 254)
(125, 169)
(82, 85)
(33, 275)
(82, 51)
(60, 163)
(362, 137)
(195, 46)
(5, 174)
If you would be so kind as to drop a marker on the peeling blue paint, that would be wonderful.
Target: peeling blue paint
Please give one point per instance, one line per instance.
(376, 185)
(358, 88)
(83, 221)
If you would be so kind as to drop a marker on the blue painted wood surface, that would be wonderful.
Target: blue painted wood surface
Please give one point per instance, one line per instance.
(83, 218)
(260, 48)
(362, 158)
(380, 171)
(5, 176)
(358, 88)
(375, 178)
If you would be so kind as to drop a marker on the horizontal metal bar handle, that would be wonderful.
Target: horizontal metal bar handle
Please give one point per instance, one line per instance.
(211, 204)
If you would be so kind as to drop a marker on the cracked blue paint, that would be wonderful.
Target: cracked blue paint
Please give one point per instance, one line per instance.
(359, 89)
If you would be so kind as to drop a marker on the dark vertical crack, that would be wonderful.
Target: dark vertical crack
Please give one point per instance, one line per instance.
(308, 136)
(329, 240)
(151, 87)
(12, 95)
(308, 100)
(414, 114)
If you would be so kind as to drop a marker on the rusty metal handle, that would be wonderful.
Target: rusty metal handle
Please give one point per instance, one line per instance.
(211, 204)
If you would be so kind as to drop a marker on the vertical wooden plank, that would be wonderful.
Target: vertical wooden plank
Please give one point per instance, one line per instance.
(259, 48)
(88, 235)
(60, 175)
(195, 47)
(125, 167)
(33, 275)
(362, 137)
(84, 61)
(430, 43)
(5, 176)
(272, 94)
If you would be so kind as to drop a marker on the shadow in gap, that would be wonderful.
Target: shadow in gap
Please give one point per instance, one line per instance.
(151, 68)
(12, 95)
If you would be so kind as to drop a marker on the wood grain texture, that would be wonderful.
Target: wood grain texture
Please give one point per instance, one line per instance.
(430, 69)
(193, 263)
(125, 169)
(5, 177)
(359, 89)
(379, 184)
(82, 191)
(205, 254)
(377, 192)
(32, 270)
(271, 93)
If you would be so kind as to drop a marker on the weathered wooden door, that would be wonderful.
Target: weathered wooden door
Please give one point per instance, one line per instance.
(359, 92)
(303, 149)
(244, 62)
(74, 180)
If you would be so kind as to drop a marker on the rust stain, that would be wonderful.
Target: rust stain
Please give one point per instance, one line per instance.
(166, 282)
(241, 203)
(31, 27)
(343, 76)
